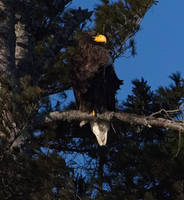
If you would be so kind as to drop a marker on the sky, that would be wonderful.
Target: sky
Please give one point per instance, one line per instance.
(159, 46)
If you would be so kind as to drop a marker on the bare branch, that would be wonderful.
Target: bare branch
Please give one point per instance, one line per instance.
(133, 119)
(166, 112)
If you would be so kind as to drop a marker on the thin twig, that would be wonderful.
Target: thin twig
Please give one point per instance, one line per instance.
(179, 144)
(165, 111)
(113, 128)
(127, 38)
(78, 197)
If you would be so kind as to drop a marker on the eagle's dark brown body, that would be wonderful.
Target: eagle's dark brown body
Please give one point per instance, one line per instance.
(93, 80)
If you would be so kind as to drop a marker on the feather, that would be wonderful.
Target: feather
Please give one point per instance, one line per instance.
(82, 123)
(100, 129)
(94, 82)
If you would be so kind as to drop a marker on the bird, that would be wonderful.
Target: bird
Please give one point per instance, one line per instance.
(94, 81)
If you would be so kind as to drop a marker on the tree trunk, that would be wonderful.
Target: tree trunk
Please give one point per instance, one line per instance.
(7, 39)
(16, 54)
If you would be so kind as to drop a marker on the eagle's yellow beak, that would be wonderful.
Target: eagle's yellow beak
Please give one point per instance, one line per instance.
(100, 38)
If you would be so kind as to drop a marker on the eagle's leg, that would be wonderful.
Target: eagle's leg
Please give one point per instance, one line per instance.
(82, 123)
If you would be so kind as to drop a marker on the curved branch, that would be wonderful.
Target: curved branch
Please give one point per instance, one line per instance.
(133, 119)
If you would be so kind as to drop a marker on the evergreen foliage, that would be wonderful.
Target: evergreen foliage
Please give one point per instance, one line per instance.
(62, 160)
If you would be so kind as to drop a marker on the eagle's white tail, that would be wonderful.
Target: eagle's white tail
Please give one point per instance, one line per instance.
(100, 129)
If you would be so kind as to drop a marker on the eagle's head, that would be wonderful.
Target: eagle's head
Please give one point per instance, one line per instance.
(92, 41)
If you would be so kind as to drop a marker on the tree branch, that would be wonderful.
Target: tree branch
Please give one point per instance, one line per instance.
(133, 119)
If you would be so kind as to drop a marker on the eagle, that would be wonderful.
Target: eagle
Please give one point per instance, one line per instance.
(94, 80)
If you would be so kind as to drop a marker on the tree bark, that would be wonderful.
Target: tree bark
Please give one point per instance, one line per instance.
(7, 38)
(16, 50)
(7, 68)
(133, 119)
(24, 51)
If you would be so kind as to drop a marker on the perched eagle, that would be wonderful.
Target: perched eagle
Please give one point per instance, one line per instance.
(94, 80)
